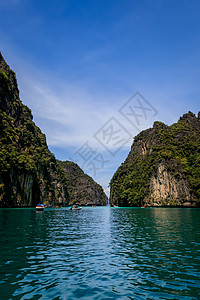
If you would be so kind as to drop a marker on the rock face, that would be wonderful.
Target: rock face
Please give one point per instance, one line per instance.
(162, 168)
(166, 189)
(82, 189)
(29, 172)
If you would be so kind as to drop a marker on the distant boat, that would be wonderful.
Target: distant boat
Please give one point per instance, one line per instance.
(40, 207)
(75, 207)
(116, 206)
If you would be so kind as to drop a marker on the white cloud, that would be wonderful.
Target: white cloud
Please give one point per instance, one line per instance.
(68, 117)
(68, 114)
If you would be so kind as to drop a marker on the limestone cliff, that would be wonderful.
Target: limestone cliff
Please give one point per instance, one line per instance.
(83, 190)
(162, 168)
(29, 172)
(166, 189)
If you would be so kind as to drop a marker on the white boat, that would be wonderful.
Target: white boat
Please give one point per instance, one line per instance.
(75, 207)
(40, 207)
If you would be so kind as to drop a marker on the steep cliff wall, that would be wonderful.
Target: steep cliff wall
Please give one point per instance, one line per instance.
(82, 188)
(166, 189)
(162, 168)
(29, 172)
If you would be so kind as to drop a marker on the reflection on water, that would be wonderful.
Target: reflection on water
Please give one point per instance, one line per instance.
(100, 253)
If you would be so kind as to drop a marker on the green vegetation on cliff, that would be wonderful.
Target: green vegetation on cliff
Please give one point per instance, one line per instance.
(162, 168)
(29, 172)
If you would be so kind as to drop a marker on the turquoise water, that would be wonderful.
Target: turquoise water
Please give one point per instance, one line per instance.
(100, 253)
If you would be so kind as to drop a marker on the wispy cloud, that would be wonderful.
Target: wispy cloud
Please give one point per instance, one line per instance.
(67, 113)
(68, 117)
(71, 117)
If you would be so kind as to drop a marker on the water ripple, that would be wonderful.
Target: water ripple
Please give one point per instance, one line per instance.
(100, 253)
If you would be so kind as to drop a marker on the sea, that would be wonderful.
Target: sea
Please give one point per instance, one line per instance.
(100, 253)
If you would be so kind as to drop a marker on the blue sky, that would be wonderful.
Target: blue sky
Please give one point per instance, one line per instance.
(78, 62)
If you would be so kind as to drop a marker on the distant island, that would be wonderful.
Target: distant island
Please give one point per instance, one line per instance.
(29, 172)
(162, 168)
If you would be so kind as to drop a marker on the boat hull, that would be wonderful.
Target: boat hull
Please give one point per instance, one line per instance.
(39, 209)
(76, 208)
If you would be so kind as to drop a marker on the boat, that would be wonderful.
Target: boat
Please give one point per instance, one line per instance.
(75, 207)
(40, 207)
